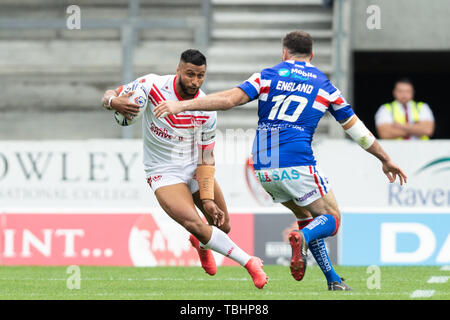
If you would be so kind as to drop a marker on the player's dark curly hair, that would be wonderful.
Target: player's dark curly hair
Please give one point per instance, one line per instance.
(193, 56)
(298, 43)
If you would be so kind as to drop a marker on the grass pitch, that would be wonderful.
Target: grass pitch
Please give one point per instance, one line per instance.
(230, 283)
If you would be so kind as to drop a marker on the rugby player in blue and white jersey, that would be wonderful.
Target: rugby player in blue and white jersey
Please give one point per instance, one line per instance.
(292, 97)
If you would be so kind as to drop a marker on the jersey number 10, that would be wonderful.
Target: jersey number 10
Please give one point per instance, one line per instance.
(284, 102)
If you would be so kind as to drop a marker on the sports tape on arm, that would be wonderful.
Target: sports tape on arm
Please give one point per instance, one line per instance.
(356, 129)
(205, 178)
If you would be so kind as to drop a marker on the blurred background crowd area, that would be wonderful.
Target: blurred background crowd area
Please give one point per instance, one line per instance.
(53, 77)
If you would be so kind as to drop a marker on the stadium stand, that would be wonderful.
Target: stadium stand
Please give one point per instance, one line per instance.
(56, 77)
(246, 37)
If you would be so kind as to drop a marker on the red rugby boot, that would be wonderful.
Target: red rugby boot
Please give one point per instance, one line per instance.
(299, 252)
(254, 267)
(206, 257)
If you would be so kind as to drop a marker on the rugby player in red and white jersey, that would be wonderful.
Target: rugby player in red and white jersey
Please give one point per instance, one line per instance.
(179, 161)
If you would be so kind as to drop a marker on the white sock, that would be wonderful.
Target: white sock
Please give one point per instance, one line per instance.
(221, 243)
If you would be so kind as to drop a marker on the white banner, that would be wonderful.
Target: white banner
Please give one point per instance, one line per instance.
(357, 179)
(71, 174)
(100, 174)
(110, 174)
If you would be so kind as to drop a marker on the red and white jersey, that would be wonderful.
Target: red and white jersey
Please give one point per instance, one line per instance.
(171, 143)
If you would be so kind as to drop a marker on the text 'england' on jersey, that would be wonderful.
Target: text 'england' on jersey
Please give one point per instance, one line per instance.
(292, 98)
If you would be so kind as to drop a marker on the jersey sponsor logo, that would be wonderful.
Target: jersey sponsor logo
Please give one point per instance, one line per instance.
(296, 76)
(278, 175)
(164, 133)
(284, 72)
(294, 86)
(306, 196)
(296, 73)
(264, 177)
(285, 174)
(303, 73)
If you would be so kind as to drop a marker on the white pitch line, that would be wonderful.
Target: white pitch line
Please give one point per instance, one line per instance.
(438, 279)
(445, 268)
(87, 294)
(422, 294)
(125, 279)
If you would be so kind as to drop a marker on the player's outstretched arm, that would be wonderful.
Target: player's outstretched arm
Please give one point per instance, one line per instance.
(390, 169)
(356, 129)
(112, 101)
(223, 100)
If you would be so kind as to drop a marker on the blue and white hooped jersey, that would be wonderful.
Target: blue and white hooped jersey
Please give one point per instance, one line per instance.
(292, 97)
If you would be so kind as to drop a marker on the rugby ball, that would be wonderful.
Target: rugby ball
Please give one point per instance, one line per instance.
(139, 97)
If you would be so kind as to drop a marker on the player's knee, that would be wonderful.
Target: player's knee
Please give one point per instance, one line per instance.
(336, 214)
(337, 217)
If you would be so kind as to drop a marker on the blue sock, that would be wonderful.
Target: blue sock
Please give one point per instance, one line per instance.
(319, 252)
(321, 227)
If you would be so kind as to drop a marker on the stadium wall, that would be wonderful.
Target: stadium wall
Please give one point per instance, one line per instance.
(87, 203)
(404, 25)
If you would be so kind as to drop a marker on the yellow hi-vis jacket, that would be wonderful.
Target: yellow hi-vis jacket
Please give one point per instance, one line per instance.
(399, 116)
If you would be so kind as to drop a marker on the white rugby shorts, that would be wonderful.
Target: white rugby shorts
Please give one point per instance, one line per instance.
(302, 184)
(173, 175)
